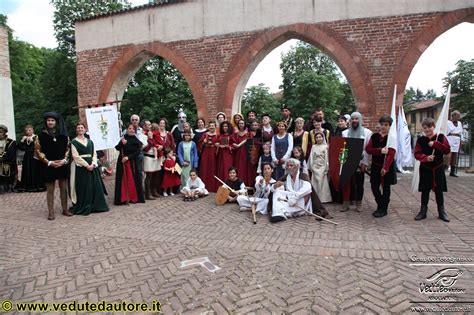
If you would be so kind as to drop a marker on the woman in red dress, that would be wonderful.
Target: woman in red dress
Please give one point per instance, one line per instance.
(171, 178)
(224, 154)
(238, 143)
(207, 146)
(166, 141)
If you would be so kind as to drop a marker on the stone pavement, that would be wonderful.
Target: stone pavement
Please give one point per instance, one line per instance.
(300, 266)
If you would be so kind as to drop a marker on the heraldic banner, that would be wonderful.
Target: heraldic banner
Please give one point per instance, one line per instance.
(344, 158)
(103, 126)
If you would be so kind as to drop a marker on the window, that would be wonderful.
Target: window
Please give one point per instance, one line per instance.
(413, 118)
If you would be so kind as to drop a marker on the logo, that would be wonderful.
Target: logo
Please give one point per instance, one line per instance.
(103, 126)
(442, 281)
(343, 154)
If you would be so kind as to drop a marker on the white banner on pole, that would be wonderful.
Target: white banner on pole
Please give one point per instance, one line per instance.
(404, 152)
(103, 126)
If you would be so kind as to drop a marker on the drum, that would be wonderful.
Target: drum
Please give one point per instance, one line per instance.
(222, 195)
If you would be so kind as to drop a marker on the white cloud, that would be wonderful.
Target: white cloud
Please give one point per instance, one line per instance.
(32, 22)
(441, 56)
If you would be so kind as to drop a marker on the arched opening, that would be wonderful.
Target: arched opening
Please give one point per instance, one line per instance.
(157, 90)
(143, 60)
(301, 76)
(448, 59)
(338, 49)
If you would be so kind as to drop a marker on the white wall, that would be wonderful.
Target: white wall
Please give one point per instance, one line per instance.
(203, 18)
(6, 106)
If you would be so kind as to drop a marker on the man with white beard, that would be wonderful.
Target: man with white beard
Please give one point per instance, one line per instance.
(292, 193)
(356, 130)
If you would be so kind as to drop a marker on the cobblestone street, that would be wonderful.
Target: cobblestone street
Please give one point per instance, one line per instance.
(299, 266)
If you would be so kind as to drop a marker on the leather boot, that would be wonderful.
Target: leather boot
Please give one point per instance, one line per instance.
(453, 172)
(359, 205)
(67, 213)
(148, 195)
(381, 211)
(442, 214)
(154, 185)
(345, 206)
(50, 201)
(422, 214)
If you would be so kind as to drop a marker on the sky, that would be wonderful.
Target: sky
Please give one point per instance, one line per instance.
(31, 21)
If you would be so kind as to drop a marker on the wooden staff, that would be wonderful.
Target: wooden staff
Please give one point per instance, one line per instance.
(309, 212)
(125, 177)
(225, 185)
(253, 207)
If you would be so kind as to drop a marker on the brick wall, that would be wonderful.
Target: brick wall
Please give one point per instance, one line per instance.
(374, 54)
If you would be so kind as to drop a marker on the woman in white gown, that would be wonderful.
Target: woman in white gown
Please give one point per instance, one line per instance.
(319, 166)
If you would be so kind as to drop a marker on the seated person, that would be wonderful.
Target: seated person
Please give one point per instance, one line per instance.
(263, 188)
(194, 188)
(292, 195)
(236, 184)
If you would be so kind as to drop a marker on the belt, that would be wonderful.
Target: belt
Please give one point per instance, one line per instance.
(85, 155)
(454, 135)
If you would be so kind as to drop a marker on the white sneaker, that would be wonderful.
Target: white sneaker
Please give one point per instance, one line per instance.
(165, 194)
(171, 194)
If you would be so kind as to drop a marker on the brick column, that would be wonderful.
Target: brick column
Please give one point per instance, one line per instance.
(6, 99)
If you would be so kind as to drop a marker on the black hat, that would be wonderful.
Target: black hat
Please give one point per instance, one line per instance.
(284, 107)
(60, 124)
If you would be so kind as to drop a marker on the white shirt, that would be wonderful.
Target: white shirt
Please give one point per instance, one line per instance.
(455, 140)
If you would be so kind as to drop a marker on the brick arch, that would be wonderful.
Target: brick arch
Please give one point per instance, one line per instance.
(130, 61)
(339, 49)
(423, 41)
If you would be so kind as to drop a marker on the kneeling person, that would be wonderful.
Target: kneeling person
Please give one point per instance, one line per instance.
(292, 195)
(263, 188)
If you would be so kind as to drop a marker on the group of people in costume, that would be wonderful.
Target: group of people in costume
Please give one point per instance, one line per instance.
(286, 164)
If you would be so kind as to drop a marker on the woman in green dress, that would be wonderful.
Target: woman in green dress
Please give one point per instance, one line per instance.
(188, 157)
(86, 188)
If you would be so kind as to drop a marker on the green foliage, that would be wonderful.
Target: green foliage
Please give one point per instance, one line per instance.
(27, 66)
(67, 12)
(157, 90)
(260, 99)
(462, 82)
(313, 90)
(3, 20)
(59, 87)
(311, 80)
(412, 96)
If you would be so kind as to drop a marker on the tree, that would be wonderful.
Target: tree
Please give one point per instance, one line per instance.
(313, 89)
(3, 20)
(462, 82)
(66, 13)
(27, 67)
(311, 79)
(259, 98)
(157, 90)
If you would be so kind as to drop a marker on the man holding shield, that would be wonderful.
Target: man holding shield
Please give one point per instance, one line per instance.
(357, 181)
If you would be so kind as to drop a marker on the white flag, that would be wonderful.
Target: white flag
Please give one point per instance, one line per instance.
(441, 127)
(392, 133)
(103, 126)
(404, 152)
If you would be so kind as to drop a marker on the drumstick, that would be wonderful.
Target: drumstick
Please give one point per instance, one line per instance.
(307, 211)
(225, 185)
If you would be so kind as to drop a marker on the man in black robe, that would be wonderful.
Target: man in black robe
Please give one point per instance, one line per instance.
(8, 167)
